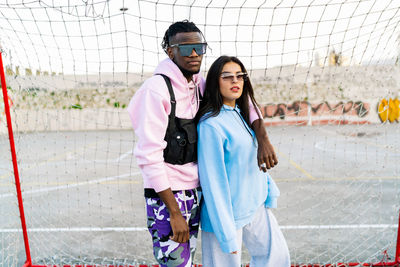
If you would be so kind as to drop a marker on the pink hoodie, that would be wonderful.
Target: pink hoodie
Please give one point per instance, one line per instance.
(149, 109)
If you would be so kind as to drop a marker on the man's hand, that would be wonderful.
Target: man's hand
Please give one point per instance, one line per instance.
(266, 156)
(180, 228)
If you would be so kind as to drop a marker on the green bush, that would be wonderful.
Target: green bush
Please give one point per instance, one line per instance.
(76, 106)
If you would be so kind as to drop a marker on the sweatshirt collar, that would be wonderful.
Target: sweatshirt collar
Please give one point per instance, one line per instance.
(226, 107)
(170, 69)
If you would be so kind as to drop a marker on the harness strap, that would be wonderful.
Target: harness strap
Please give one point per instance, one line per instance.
(172, 95)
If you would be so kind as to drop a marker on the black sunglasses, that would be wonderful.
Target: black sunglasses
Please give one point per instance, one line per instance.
(186, 49)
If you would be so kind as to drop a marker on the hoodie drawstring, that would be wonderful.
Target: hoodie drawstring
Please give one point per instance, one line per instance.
(244, 123)
(195, 96)
(186, 209)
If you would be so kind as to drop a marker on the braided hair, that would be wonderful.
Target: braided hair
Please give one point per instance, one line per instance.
(177, 27)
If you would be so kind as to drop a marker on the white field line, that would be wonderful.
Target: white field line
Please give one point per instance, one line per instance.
(334, 227)
(320, 146)
(358, 140)
(50, 162)
(129, 153)
(141, 229)
(69, 186)
(79, 229)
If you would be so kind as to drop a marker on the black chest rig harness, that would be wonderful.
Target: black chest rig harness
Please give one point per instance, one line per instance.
(181, 135)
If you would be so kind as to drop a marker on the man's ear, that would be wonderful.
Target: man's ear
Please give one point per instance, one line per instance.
(170, 52)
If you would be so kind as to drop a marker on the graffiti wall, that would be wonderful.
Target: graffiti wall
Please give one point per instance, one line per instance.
(350, 112)
(295, 113)
(306, 113)
(389, 110)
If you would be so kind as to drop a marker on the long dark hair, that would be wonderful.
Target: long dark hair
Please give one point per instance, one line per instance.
(212, 102)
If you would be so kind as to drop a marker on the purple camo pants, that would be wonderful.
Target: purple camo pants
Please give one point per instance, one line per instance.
(169, 253)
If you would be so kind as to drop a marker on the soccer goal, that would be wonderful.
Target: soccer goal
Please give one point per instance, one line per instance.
(326, 75)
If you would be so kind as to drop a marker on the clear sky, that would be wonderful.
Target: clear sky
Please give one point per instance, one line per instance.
(92, 36)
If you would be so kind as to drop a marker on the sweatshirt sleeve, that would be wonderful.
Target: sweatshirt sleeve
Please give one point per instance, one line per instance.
(215, 186)
(254, 111)
(149, 116)
(273, 193)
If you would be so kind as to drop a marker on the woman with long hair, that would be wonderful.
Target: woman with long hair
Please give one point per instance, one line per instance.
(237, 194)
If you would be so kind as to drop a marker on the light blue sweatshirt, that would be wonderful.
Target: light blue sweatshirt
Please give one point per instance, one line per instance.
(232, 184)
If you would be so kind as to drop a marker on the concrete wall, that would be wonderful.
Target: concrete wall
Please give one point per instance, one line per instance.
(287, 95)
(118, 119)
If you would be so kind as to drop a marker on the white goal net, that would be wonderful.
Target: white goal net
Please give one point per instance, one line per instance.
(327, 78)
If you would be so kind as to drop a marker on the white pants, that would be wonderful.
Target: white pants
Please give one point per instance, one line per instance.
(263, 239)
